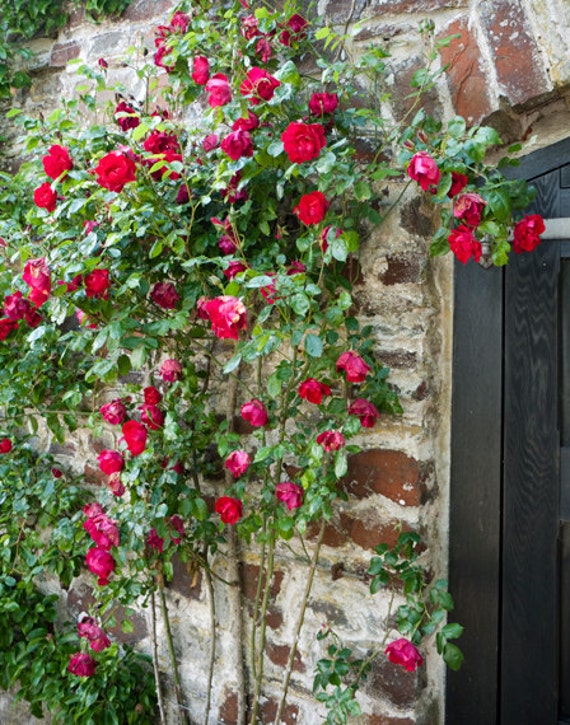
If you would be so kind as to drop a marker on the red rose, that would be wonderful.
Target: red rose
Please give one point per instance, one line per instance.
(82, 665)
(463, 244)
(126, 121)
(97, 283)
(160, 142)
(151, 395)
(155, 541)
(353, 365)
(249, 27)
(247, 123)
(89, 629)
(237, 463)
(6, 327)
(237, 144)
(164, 294)
(263, 49)
(313, 390)
(258, 85)
(219, 89)
(100, 563)
(312, 208)
(152, 416)
(458, 183)
(423, 169)
(100, 527)
(365, 411)
(110, 462)
(331, 440)
(160, 58)
(115, 485)
(37, 276)
(468, 208)
(303, 141)
(114, 412)
(254, 413)
(234, 268)
(115, 170)
(200, 70)
(57, 161)
(33, 317)
(15, 306)
(296, 26)
(210, 142)
(403, 652)
(178, 525)
(227, 315)
(5, 445)
(45, 197)
(230, 509)
(322, 103)
(526, 234)
(134, 434)
(291, 494)
(170, 371)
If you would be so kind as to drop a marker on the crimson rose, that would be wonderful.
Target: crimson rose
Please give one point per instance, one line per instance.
(527, 233)
(312, 208)
(403, 652)
(303, 141)
(57, 161)
(115, 170)
(230, 509)
(45, 197)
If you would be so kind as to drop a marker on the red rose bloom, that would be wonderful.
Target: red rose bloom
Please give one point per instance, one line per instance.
(219, 89)
(313, 390)
(526, 234)
(303, 141)
(100, 527)
(164, 294)
(126, 122)
(45, 197)
(200, 70)
(178, 525)
(237, 463)
(57, 161)
(151, 395)
(6, 327)
(37, 276)
(468, 208)
(263, 49)
(463, 244)
(115, 170)
(312, 208)
(353, 365)
(259, 85)
(254, 413)
(423, 169)
(100, 563)
(82, 665)
(229, 509)
(403, 652)
(97, 284)
(331, 440)
(322, 103)
(234, 268)
(114, 412)
(5, 445)
(152, 416)
(291, 494)
(296, 26)
(247, 123)
(237, 144)
(134, 434)
(227, 315)
(170, 371)
(89, 629)
(249, 27)
(15, 306)
(210, 142)
(365, 411)
(155, 541)
(110, 462)
(458, 183)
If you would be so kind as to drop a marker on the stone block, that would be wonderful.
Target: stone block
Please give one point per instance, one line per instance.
(63, 52)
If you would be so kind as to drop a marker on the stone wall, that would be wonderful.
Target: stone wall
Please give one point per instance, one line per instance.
(510, 65)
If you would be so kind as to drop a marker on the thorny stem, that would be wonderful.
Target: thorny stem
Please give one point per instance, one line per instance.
(300, 621)
(155, 661)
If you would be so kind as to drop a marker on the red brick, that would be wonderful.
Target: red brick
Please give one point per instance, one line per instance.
(402, 101)
(337, 10)
(390, 473)
(279, 655)
(63, 52)
(465, 75)
(250, 576)
(520, 72)
(402, 268)
(268, 712)
(369, 531)
(186, 580)
(229, 709)
(401, 687)
(94, 476)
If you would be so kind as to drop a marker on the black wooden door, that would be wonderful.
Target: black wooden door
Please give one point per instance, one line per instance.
(510, 487)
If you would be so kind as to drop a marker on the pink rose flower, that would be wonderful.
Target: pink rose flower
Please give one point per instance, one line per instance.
(45, 197)
(110, 462)
(229, 509)
(57, 161)
(219, 90)
(258, 85)
(353, 365)
(89, 629)
(365, 411)
(468, 208)
(237, 463)
(97, 284)
(254, 413)
(526, 233)
(463, 244)
(82, 665)
(200, 70)
(403, 652)
(291, 494)
(423, 169)
(164, 295)
(331, 440)
(313, 390)
(100, 563)
(322, 103)
(134, 434)
(303, 141)
(312, 208)
(115, 170)
(170, 370)
(114, 412)
(227, 315)
(210, 142)
(263, 49)
(237, 144)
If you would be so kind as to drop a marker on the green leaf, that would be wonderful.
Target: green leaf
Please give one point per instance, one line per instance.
(452, 630)
(452, 656)
(313, 346)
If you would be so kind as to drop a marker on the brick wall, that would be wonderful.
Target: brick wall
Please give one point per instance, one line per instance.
(510, 64)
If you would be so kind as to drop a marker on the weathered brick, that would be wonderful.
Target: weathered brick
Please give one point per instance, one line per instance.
(401, 687)
(369, 531)
(148, 9)
(390, 473)
(279, 655)
(186, 580)
(268, 713)
(338, 10)
(402, 268)
(466, 77)
(94, 476)
(520, 71)
(402, 101)
(228, 713)
(63, 52)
